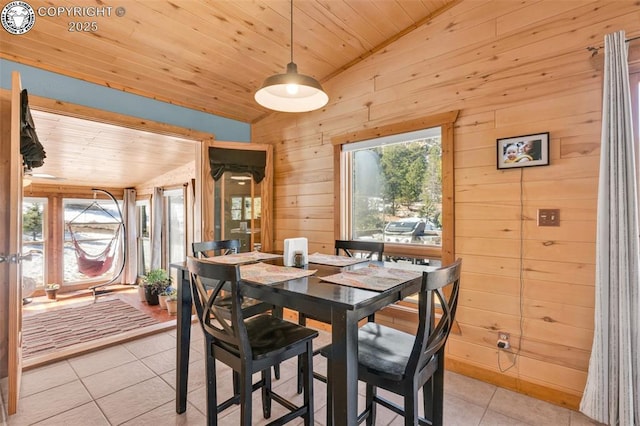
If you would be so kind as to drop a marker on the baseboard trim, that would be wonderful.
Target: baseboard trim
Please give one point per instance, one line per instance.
(554, 396)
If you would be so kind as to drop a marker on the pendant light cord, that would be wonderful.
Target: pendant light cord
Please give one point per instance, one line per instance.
(291, 31)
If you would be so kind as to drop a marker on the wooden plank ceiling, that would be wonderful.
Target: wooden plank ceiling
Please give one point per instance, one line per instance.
(88, 153)
(211, 55)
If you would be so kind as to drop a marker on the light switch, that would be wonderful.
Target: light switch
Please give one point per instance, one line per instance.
(548, 217)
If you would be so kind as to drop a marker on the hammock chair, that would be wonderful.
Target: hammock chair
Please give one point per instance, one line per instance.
(96, 264)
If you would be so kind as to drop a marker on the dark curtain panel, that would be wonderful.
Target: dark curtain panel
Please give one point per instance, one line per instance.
(32, 151)
(238, 161)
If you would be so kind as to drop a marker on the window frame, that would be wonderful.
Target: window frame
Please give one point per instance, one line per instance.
(446, 122)
(168, 193)
(142, 240)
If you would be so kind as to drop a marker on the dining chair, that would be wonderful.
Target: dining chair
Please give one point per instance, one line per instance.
(206, 249)
(350, 248)
(403, 363)
(215, 248)
(372, 250)
(247, 345)
(250, 306)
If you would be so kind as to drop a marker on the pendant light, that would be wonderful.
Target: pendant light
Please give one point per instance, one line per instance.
(291, 92)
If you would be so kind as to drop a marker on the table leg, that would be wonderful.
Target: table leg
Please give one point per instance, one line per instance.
(183, 341)
(344, 367)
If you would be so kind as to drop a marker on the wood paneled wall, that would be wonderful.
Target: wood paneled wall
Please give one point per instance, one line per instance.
(511, 68)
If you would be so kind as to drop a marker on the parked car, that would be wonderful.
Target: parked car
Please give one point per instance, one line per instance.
(410, 230)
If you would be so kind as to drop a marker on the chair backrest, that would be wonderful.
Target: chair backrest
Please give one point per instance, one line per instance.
(225, 326)
(366, 249)
(439, 288)
(215, 248)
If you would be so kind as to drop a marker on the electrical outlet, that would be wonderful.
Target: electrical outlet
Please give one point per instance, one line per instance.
(548, 217)
(503, 340)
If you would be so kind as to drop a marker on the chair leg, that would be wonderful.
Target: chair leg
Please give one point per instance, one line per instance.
(246, 388)
(266, 393)
(411, 408)
(211, 389)
(276, 371)
(427, 399)
(302, 320)
(438, 392)
(307, 367)
(277, 312)
(329, 394)
(370, 405)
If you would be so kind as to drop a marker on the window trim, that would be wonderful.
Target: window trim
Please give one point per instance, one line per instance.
(443, 120)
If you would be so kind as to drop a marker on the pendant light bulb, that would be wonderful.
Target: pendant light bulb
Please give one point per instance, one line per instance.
(292, 89)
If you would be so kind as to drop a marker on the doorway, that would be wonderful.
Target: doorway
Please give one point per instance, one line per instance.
(116, 152)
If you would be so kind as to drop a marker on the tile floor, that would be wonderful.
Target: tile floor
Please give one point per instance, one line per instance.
(133, 384)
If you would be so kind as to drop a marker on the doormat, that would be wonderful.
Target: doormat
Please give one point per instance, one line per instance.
(51, 331)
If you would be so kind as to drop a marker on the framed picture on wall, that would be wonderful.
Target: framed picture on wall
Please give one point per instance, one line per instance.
(523, 151)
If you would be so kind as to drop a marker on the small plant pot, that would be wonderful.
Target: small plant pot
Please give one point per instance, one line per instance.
(141, 294)
(172, 307)
(52, 293)
(162, 299)
(151, 296)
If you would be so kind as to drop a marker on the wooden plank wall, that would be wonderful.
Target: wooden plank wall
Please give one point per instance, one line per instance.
(511, 68)
(5, 157)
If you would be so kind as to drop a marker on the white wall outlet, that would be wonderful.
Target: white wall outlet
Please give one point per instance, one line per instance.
(503, 340)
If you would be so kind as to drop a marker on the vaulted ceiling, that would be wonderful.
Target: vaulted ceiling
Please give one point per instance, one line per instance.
(212, 55)
(209, 55)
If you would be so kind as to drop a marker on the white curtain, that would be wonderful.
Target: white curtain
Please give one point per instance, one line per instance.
(130, 271)
(157, 202)
(612, 392)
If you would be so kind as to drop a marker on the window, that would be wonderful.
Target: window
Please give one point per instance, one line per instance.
(396, 185)
(238, 210)
(144, 237)
(175, 242)
(394, 188)
(34, 241)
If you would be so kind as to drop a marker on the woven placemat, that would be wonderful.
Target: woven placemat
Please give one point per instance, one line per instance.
(53, 330)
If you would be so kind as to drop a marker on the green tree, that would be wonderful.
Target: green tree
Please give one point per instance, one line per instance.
(431, 195)
(403, 168)
(32, 221)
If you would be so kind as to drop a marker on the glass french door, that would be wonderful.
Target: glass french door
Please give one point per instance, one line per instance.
(175, 226)
(238, 210)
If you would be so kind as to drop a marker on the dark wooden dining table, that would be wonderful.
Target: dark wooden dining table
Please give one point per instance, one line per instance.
(341, 306)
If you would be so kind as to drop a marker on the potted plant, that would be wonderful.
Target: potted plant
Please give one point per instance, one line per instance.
(162, 297)
(155, 283)
(52, 290)
(172, 301)
(140, 284)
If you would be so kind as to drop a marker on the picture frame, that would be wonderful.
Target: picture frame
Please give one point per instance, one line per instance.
(523, 151)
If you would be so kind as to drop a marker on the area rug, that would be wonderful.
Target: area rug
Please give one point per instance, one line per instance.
(51, 331)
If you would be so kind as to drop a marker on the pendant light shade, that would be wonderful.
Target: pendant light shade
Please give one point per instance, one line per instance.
(291, 92)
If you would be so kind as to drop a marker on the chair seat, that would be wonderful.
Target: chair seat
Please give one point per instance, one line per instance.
(382, 350)
(269, 335)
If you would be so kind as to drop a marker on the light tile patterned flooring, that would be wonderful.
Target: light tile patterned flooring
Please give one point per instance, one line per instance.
(133, 384)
